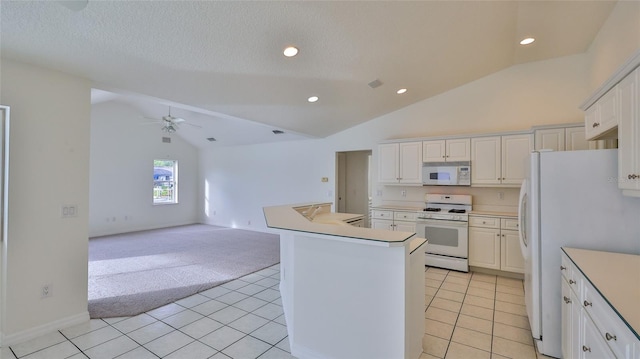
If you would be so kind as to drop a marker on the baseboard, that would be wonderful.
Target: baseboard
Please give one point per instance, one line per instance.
(35, 332)
(109, 232)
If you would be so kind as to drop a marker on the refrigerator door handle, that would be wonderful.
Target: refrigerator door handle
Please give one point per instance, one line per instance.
(522, 218)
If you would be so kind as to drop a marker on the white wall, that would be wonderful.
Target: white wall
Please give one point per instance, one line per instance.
(123, 147)
(241, 180)
(616, 41)
(49, 167)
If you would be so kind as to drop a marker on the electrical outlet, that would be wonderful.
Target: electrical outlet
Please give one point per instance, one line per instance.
(403, 193)
(249, 222)
(69, 210)
(501, 195)
(47, 291)
(379, 193)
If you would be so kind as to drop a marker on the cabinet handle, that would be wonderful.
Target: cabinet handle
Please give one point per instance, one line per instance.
(567, 300)
(633, 176)
(571, 281)
(586, 304)
(595, 124)
(563, 268)
(609, 337)
(484, 222)
(497, 235)
(503, 235)
(586, 349)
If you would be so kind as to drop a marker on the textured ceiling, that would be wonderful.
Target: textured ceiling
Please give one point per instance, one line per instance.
(223, 59)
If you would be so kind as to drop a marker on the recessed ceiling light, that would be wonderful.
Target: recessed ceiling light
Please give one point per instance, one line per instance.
(401, 91)
(290, 51)
(313, 99)
(527, 41)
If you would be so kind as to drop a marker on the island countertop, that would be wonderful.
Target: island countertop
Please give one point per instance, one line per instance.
(604, 270)
(288, 218)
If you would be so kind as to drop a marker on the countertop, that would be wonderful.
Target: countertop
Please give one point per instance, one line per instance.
(616, 276)
(493, 214)
(398, 208)
(286, 217)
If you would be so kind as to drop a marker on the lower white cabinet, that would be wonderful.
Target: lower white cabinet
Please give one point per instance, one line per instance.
(391, 220)
(590, 327)
(494, 243)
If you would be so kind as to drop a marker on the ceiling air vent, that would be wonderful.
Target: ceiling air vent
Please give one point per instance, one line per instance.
(277, 132)
(211, 139)
(166, 139)
(375, 83)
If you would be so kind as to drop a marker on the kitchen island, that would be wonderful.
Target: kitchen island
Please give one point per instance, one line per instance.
(348, 292)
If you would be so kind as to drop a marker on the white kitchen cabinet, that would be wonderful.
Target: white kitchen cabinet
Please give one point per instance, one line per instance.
(575, 140)
(590, 326)
(400, 163)
(629, 134)
(390, 220)
(562, 139)
(484, 247)
(494, 243)
(499, 160)
(452, 150)
(601, 119)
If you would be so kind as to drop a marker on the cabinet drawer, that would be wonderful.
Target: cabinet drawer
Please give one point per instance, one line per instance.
(571, 275)
(608, 324)
(485, 222)
(405, 216)
(509, 223)
(381, 214)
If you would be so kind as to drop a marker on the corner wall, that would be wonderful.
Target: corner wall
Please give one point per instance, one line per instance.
(49, 167)
(123, 147)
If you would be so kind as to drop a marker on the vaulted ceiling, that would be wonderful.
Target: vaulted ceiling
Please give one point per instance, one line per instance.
(221, 62)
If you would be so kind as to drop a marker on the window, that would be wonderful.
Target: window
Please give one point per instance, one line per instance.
(165, 181)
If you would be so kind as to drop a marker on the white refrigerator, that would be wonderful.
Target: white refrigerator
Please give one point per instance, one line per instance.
(569, 199)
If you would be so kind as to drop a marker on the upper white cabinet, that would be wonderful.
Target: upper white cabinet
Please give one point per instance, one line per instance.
(453, 150)
(400, 163)
(562, 139)
(601, 119)
(499, 160)
(629, 134)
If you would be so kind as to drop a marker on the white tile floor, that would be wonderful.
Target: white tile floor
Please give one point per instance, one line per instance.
(467, 315)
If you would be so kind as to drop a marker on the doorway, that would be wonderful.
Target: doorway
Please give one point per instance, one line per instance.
(353, 184)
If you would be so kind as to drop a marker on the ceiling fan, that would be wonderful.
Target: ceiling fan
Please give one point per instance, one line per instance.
(170, 123)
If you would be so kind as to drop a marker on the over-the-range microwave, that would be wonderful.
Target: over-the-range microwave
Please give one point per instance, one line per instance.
(446, 174)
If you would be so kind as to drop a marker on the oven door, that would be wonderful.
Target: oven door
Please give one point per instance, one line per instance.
(448, 238)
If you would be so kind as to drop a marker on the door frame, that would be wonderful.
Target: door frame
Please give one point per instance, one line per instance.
(4, 209)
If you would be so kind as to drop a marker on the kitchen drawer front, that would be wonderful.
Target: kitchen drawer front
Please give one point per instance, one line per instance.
(485, 222)
(612, 329)
(405, 216)
(509, 223)
(571, 275)
(376, 213)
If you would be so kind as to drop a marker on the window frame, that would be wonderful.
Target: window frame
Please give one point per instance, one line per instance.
(172, 184)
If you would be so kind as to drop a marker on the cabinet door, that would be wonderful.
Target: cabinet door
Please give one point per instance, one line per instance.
(388, 155)
(434, 151)
(593, 345)
(484, 247)
(568, 321)
(575, 139)
(458, 150)
(411, 162)
(382, 224)
(485, 160)
(591, 121)
(602, 117)
(552, 139)
(511, 259)
(629, 133)
(515, 150)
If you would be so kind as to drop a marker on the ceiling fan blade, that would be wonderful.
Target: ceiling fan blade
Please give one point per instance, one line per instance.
(191, 124)
(178, 120)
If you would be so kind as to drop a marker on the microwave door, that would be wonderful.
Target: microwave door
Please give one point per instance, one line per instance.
(439, 176)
